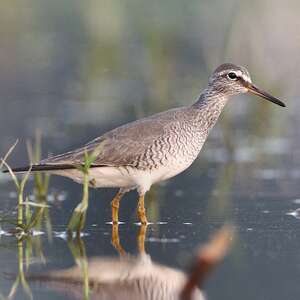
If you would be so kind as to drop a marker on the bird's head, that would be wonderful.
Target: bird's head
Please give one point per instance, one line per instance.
(229, 80)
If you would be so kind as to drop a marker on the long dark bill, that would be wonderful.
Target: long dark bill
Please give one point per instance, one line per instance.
(256, 91)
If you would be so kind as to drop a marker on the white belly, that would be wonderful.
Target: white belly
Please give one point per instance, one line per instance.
(126, 177)
(102, 176)
(167, 172)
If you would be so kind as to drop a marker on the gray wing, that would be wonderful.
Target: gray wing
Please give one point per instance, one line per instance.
(124, 145)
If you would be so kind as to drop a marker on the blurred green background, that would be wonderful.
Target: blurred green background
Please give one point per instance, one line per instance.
(76, 68)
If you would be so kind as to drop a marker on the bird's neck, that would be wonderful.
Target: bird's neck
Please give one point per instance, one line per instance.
(209, 107)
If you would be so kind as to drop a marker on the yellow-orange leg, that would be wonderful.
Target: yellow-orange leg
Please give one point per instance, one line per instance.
(141, 238)
(115, 240)
(115, 204)
(141, 212)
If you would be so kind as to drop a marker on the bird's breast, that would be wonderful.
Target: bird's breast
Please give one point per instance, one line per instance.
(172, 154)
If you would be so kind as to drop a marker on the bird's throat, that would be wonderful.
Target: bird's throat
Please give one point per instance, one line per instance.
(209, 108)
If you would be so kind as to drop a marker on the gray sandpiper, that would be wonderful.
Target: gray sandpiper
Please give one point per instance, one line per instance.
(141, 153)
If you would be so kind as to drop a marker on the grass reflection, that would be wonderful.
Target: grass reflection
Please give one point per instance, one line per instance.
(29, 250)
(78, 251)
(20, 279)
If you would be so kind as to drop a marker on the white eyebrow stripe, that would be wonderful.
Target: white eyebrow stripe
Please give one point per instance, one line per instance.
(237, 72)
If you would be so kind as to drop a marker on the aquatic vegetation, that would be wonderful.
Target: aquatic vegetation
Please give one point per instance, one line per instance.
(24, 224)
(41, 185)
(19, 184)
(41, 180)
(78, 217)
(23, 230)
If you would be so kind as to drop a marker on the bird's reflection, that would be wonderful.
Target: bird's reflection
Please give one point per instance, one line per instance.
(124, 277)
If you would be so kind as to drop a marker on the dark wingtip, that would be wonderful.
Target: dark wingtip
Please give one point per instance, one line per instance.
(16, 170)
(36, 168)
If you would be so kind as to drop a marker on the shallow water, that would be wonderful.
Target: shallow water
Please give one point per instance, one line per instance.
(262, 264)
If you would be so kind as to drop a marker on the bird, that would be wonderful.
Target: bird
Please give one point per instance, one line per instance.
(155, 148)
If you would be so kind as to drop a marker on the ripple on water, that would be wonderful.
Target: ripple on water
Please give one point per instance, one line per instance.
(5, 233)
(64, 234)
(162, 240)
(111, 223)
(295, 213)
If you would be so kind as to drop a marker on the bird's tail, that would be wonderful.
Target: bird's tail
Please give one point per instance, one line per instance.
(41, 168)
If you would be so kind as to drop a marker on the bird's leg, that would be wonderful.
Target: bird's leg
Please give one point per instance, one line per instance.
(115, 239)
(141, 212)
(115, 203)
(141, 238)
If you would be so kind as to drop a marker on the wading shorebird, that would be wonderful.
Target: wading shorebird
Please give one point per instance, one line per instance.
(141, 153)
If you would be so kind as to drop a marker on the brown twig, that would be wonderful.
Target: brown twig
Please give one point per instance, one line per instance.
(207, 258)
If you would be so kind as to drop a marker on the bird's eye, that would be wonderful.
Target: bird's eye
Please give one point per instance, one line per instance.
(232, 76)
